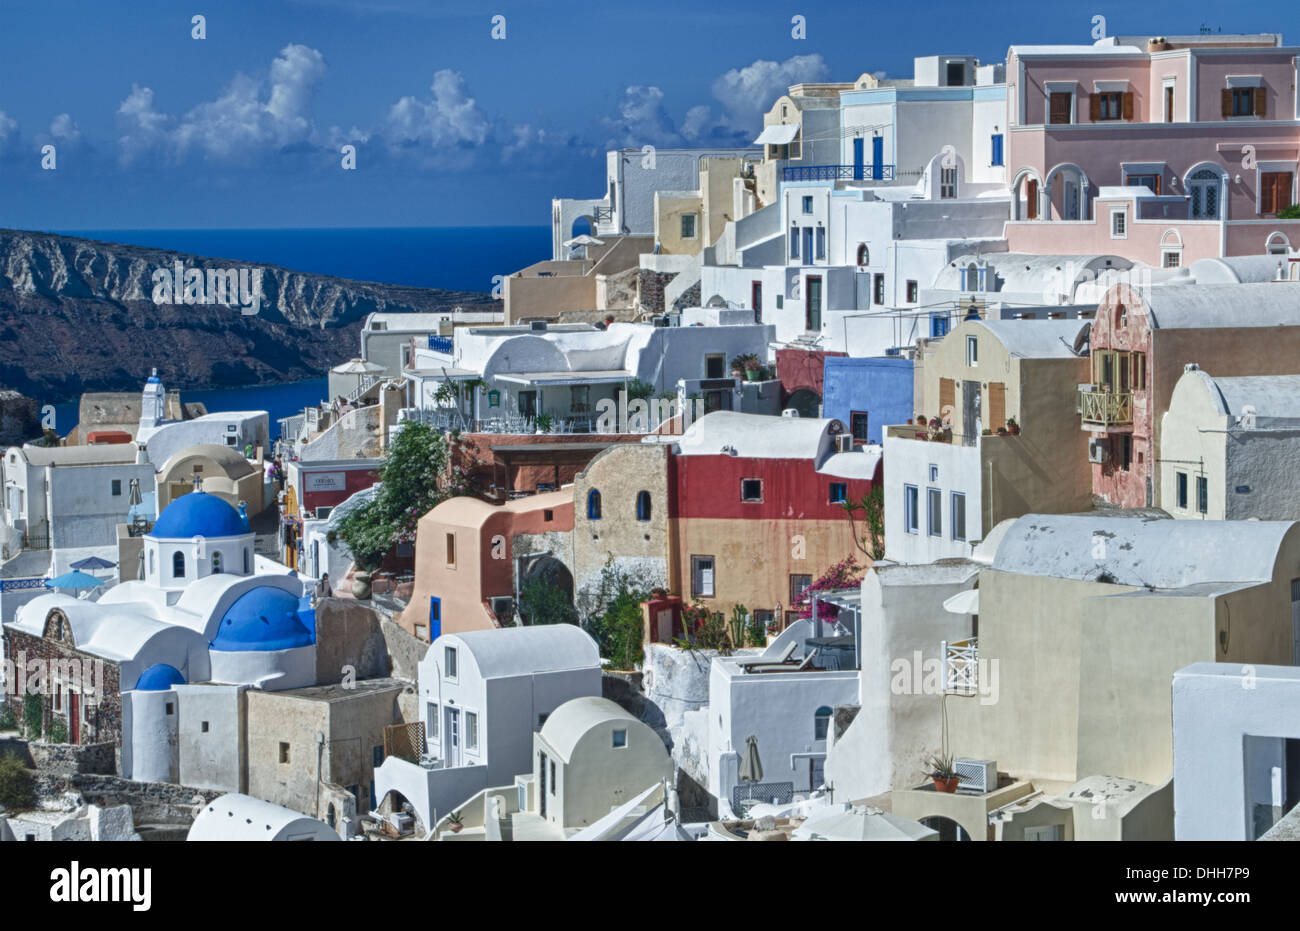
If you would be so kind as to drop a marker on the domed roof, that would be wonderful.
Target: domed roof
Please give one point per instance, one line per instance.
(159, 678)
(199, 514)
(263, 618)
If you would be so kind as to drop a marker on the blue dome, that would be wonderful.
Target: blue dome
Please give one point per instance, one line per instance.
(159, 678)
(263, 618)
(199, 514)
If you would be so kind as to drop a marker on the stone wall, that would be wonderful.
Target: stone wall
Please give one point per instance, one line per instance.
(151, 802)
(103, 719)
(689, 298)
(650, 289)
(70, 758)
(348, 634)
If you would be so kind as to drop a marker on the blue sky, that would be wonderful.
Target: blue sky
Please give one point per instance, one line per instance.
(155, 129)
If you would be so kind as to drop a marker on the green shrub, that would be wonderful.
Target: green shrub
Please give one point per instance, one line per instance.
(623, 628)
(16, 790)
(7, 720)
(1290, 212)
(33, 716)
(541, 602)
(58, 732)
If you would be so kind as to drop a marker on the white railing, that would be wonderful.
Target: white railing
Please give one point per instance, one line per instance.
(367, 382)
(961, 666)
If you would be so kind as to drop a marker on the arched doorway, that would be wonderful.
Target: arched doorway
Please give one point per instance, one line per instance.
(948, 829)
(546, 573)
(807, 402)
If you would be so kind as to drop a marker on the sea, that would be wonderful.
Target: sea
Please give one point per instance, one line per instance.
(459, 258)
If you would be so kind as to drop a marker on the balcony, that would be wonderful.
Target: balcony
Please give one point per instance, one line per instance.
(961, 666)
(1100, 407)
(837, 173)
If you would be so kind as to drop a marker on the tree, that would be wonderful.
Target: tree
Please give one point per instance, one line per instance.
(422, 471)
(16, 792)
(871, 540)
(612, 614)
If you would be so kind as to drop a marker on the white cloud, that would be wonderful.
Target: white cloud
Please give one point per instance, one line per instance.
(64, 130)
(8, 131)
(747, 93)
(449, 118)
(642, 120)
(140, 127)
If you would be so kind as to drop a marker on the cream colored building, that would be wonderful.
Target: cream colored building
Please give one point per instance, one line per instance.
(1229, 447)
(688, 221)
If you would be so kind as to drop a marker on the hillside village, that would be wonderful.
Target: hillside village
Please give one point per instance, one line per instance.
(924, 470)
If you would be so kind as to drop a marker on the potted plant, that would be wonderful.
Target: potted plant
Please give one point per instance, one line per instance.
(1012, 427)
(1002, 431)
(543, 423)
(752, 368)
(454, 822)
(738, 364)
(942, 772)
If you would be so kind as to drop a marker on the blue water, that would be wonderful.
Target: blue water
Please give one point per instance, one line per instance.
(460, 258)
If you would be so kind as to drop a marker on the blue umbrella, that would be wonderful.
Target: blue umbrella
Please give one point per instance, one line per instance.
(93, 562)
(74, 579)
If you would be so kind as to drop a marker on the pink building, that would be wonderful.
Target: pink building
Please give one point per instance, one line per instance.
(1162, 150)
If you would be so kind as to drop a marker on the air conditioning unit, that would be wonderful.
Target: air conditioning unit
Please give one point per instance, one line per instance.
(790, 412)
(844, 442)
(1099, 449)
(661, 321)
(538, 326)
(980, 775)
(503, 606)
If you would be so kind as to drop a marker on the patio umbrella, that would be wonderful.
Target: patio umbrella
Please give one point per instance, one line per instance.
(751, 767)
(584, 240)
(92, 563)
(861, 823)
(74, 579)
(357, 367)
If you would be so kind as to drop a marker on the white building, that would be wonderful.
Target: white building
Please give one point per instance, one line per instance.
(483, 694)
(1229, 447)
(162, 438)
(236, 817)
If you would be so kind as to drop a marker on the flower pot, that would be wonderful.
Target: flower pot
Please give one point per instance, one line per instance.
(1013, 429)
(946, 785)
(456, 828)
(751, 375)
(361, 585)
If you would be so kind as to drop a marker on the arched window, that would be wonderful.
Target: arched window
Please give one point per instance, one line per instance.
(216, 563)
(821, 723)
(245, 560)
(1277, 244)
(593, 505)
(1121, 317)
(643, 505)
(178, 565)
(864, 256)
(1203, 188)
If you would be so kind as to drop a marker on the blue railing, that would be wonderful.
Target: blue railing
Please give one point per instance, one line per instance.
(18, 585)
(441, 344)
(837, 173)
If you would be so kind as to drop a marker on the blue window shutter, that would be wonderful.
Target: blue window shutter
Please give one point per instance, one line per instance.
(997, 148)
(435, 618)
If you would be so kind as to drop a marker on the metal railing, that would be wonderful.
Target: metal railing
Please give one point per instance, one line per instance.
(961, 666)
(837, 173)
(1105, 407)
(367, 382)
(443, 344)
(603, 214)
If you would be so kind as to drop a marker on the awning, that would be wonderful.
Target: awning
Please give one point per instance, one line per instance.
(543, 379)
(967, 602)
(777, 135)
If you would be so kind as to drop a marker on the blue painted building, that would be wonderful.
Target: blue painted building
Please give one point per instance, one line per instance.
(867, 393)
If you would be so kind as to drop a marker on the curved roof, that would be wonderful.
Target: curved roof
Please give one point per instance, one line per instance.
(1022, 271)
(242, 817)
(1145, 552)
(1272, 396)
(199, 514)
(262, 619)
(1235, 269)
(757, 436)
(572, 720)
(226, 458)
(159, 678)
(1207, 306)
(523, 651)
(1036, 339)
(861, 463)
(104, 454)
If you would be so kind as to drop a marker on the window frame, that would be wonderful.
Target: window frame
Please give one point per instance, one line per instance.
(748, 500)
(1120, 232)
(643, 514)
(911, 508)
(934, 512)
(972, 351)
(1180, 490)
(697, 576)
(471, 731)
(843, 490)
(957, 515)
(1202, 494)
(796, 590)
(450, 664)
(693, 220)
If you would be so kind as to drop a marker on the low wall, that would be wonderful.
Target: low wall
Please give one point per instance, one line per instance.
(151, 802)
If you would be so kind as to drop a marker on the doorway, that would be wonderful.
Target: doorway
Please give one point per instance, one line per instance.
(877, 158)
(74, 717)
(970, 409)
(859, 157)
(451, 745)
(813, 309)
(541, 784)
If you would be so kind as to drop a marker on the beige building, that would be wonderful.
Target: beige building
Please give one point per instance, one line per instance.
(223, 471)
(688, 221)
(1087, 618)
(597, 279)
(1229, 447)
(801, 128)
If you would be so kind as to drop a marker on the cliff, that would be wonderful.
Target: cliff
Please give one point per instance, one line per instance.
(78, 315)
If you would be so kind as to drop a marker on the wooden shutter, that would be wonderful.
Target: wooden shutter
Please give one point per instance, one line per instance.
(1261, 101)
(1268, 192)
(1225, 98)
(997, 405)
(947, 399)
(1128, 105)
(1031, 199)
(1094, 107)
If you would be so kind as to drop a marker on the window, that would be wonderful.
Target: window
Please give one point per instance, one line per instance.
(751, 489)
(246, 556)
(284, 752)
(864, 255)
(178, 565)
(643, 505)
(580, 398)
(858, 425)
(1169, 103)
(1150, 182)
(203, 727)
(934, 512)
(1202, 494)
(972, 351)
(449, 661)
(702, 576)
(451, 549)
(1118, 224)
(958, 518)
(1203, 186)
(216, 563)
(688, 226)
(839, 492)
(620, 738)
(117, 487)
(1060, 107)
(880, 289)
(1139, 381)
(171, 708)
(714, 365)
(1108, 106)
(553, 780)
(1171, 258)
(912, 291)
(947, 183)
(593, 505)
(1125, 452)
(794, 242)
(821, 723)
(548, 515)
(1180, 480)
(798, 585)
(431, 730)
(807, 204)
(939, 324)
(1243, 101)
(911, 507)
(821, 242)
(997, 150)
(1274, 191)
(471, 730)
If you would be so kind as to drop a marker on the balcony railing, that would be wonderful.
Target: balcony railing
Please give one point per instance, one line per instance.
(837, 173)
(441, 344)
(1105, 408)
(961, 666)
(603, 214)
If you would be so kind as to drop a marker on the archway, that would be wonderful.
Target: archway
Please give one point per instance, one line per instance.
(1067, 192)
(1205, 184)
(555, 575)
(1026, 186)
(807, 402)
(582, 226)
(948, 829)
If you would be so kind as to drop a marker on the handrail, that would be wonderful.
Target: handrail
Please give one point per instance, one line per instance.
(1105, 407)
(961, 666)
(837, 173)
